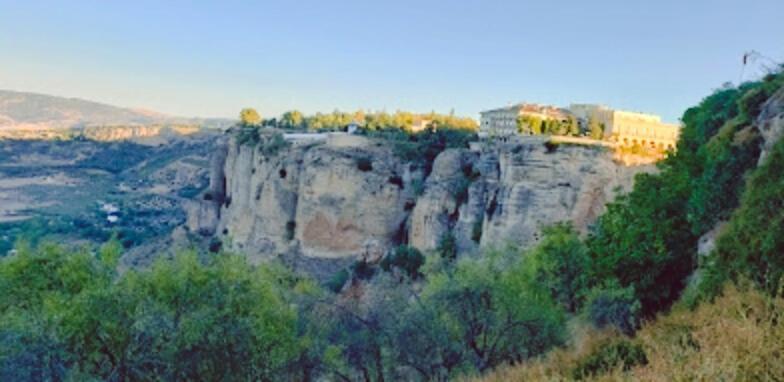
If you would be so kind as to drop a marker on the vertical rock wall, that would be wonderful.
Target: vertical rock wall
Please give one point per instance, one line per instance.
(343, 199)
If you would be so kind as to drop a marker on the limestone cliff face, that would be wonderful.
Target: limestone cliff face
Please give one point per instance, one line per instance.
(349, 199)
(515, 190)
(321, 200)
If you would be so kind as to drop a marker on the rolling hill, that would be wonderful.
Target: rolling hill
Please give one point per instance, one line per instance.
(23, 110)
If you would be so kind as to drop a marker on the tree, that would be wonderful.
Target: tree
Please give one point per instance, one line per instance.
(537, 126)
(496, 310)
(292, 120)
(407, 259)
(249, 117)
(560, 263)
(574, 126)
(523, 126)
(595, 128)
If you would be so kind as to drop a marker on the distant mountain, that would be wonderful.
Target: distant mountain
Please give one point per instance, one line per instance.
(22, 110)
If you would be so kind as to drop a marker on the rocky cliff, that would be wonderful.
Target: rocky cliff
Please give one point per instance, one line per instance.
(771, 122)
(349, 197)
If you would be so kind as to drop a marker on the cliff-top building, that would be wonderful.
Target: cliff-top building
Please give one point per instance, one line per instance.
(503, 121)
(628, 128)
(625, 128)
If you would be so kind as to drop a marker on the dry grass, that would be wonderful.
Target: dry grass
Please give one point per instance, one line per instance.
(738, 337)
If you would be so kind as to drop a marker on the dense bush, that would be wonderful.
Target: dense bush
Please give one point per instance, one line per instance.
(612, 305)
(405, 258)
(248, 135)
(338, 280)
(447, 246)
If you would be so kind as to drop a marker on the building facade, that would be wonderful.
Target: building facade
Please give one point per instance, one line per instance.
(503, 121)
(644, 130)
(624, 128)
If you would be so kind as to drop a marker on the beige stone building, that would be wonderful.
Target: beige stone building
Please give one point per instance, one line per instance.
(624, 128)
(627, 128)
(645, 130)
(503, 121)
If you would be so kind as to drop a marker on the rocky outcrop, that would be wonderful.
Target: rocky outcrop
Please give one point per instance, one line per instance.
(320, 200)
(438, 209)
(203, 213)
(771, 122)
(514, 190)
(353, 198)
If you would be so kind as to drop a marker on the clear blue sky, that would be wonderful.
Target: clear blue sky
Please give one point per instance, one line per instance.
(200, 58)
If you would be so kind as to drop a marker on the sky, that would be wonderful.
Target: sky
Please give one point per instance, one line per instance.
(212, 58)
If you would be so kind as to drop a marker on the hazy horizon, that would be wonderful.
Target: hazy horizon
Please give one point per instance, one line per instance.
(210, 60)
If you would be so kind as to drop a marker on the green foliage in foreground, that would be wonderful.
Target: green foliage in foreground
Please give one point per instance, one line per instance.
(69, 315)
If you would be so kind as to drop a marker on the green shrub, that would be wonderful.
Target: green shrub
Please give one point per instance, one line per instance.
(363, 270)
(447, 247)
(273, 144)
(248, 136)
(608, 357)
(338, 280)
(612, 305)
(407, 259)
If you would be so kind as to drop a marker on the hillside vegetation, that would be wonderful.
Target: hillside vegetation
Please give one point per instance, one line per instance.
(737, 337)
(646, 243)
